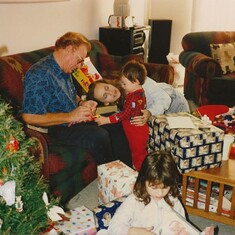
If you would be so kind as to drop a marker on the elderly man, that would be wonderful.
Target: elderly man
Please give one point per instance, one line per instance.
(50, 100)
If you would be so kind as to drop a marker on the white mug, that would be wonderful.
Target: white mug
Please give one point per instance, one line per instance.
(228, 140)
(129, 21)
(115, 21)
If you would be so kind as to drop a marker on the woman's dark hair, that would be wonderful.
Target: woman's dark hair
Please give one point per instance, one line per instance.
(134, 70)
(92, 86)
(158, 167)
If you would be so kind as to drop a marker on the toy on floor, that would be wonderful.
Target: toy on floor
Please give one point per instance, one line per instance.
(222, 117)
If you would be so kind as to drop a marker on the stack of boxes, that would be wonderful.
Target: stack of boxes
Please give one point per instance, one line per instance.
(115, 182)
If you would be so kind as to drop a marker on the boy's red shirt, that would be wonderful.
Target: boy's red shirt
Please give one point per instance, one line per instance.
(134, 103)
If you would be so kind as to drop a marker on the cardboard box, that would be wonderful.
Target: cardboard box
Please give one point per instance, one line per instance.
(115, 180)
(81, 222)
(193, 149)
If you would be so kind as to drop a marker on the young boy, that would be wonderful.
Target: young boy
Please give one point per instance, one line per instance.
(133, 75)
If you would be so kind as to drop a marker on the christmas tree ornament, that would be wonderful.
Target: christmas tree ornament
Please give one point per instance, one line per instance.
(4, 171)
(13, 169)
(55, 213)
(19, 204)
(2, 182)
(13, 145)
(7, 191)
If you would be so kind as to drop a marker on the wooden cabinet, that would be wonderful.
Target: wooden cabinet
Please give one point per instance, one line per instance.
(216, 179)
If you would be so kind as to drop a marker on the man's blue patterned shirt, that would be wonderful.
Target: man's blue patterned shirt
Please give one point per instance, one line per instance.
(47, 89)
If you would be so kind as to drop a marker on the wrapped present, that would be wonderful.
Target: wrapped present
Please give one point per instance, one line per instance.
(115, 180)
(193, 148)
(104, 213)
(80, 222)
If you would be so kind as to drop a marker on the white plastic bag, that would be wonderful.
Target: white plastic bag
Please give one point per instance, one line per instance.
(173, 60)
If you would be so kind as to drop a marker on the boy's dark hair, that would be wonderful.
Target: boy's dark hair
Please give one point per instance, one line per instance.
(158, 167)
(134, 70)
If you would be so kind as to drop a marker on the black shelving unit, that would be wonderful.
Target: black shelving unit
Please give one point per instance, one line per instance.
(121, 41)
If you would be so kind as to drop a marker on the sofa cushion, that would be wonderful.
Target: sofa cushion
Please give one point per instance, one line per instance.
(12, 71)
(224, 53)
(110, 65)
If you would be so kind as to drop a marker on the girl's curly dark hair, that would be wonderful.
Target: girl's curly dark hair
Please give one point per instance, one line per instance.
(158, 167)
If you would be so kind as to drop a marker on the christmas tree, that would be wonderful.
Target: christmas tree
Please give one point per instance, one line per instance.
(22, 208)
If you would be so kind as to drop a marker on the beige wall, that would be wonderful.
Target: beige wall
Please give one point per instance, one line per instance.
(29, 26)
(213, 15)
(180, 12)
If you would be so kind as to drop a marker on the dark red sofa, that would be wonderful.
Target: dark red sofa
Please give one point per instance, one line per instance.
(205, 82)
(67, 169)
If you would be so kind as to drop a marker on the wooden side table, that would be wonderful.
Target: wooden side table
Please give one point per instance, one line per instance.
(223, 176)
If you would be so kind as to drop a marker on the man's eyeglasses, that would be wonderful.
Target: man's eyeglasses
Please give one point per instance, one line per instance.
(79, 59)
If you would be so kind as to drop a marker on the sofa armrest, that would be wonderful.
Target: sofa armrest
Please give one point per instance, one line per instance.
(160, 72)
(200, 65)
(41, 149)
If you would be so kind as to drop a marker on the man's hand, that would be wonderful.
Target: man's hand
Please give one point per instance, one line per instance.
(90, 104)
(81, 114)
(141, 120)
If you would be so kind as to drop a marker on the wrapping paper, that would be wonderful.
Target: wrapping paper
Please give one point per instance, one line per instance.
(115, 180)
(105, 212)
(193, 149)
(81, 222)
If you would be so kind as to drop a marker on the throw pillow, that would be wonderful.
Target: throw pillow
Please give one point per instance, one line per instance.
(110, 65)
(224, 53)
